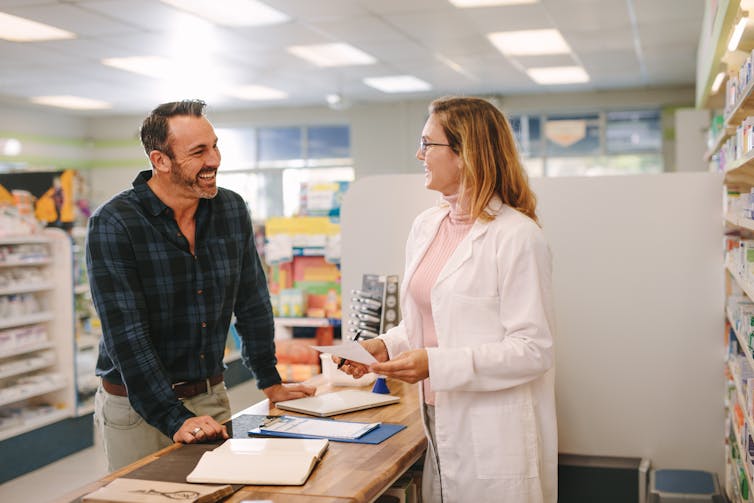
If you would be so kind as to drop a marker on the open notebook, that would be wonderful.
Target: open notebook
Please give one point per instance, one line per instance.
(260, 461)
(337, 402)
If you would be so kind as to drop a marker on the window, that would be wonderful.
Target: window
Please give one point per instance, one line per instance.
(280, 147)
(268, 166)
(604, 143)
(572, 136)
(633, 131)
(328, 142)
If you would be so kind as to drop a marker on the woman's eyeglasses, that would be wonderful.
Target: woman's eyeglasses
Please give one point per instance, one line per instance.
(424, 145)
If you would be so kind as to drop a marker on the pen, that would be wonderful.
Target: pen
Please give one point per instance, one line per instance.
(343, 360)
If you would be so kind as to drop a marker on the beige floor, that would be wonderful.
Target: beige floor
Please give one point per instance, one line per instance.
(76, 470)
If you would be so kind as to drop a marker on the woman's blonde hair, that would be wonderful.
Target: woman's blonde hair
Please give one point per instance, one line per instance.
(481, 135)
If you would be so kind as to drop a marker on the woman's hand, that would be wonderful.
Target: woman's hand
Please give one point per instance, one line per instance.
(375, 347)
(411, 366)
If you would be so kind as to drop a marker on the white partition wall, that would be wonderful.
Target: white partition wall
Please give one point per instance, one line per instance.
(638, 281)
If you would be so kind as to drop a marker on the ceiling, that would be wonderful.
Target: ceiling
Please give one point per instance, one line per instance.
(620, 43)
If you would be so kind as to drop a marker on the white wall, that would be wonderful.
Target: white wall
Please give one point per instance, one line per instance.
(638, 283)
(691, 127)
(49, 139)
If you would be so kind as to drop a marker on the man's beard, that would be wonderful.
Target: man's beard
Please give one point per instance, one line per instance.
(179, 178)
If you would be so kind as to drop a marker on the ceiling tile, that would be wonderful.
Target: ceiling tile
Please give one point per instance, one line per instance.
(72, 18)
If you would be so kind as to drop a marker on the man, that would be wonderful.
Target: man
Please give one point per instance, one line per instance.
(170, 261)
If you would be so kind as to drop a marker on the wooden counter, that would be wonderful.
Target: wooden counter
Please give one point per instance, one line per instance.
(348, 472)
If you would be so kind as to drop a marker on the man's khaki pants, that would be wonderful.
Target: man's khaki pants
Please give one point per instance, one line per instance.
(128, 438)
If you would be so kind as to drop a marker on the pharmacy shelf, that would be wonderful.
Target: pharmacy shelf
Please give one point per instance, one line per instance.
(747, 418)
(25, 239)
(741, 170)
(744, 345)
(34, 392)
(38, 287)
(736, 221)
(21, 368)
(25, 263)
(746, 287)
(719, 141)
(28, 319)
(743, 108)
(34, 423)
(306, 322)
(26, 349)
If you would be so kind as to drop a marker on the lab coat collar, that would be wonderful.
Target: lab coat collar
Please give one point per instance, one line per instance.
(462, 253)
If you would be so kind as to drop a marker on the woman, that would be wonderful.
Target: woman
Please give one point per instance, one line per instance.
(478, 316)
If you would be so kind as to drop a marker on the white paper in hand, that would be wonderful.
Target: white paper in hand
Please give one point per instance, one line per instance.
(350, 350)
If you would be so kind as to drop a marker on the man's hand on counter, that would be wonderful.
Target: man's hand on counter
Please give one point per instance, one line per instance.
(280, 392)
(200, 429)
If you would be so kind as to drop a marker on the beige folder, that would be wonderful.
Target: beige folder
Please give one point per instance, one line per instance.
(260, 461)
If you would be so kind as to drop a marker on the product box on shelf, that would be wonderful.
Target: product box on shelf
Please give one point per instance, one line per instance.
(304, 275)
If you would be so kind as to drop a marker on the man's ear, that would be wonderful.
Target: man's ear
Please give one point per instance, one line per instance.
(160, 161)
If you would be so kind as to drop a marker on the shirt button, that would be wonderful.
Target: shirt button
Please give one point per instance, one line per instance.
(199, 292)
(178, 234)
(201, 355)
(204, 324)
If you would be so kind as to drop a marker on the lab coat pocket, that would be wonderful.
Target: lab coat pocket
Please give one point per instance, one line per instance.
(476, 315)
(504, 440)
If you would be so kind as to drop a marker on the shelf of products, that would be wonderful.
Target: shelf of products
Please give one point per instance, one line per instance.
(88, 329)
(730, 152)
(36, 309)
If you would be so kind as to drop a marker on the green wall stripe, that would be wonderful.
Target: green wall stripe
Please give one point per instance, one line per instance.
(72, 142)
(59, 162)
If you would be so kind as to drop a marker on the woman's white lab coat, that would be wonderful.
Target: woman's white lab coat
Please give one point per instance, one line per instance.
(493, 369)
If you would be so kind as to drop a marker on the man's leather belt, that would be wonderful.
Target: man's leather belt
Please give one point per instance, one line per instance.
(185, 389)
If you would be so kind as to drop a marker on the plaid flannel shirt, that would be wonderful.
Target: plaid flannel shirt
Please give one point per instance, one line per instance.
(165, 312)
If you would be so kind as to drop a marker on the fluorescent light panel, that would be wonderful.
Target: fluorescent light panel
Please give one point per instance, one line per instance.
(738, 31)
(337, 54)
(397, 84)
(717, 82)
(72, 102)
(488, 3)
(231, 12)
(529, 42)
(152, 66)
(18, 29)
(256, 93)
(558, 75)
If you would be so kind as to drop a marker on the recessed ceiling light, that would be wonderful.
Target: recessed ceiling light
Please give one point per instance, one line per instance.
(73, 102)
(529, 42)
(338, 54)
(397, 84)
(152, 66)
(558, 75)
(256, 93)
(232, 12)
(18, 29)
(488, 3)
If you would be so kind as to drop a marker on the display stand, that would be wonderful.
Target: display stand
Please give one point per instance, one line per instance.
(375, 310)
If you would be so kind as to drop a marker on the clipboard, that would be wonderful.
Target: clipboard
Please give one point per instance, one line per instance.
(300, 427)
(378, 434)
(337, 402)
